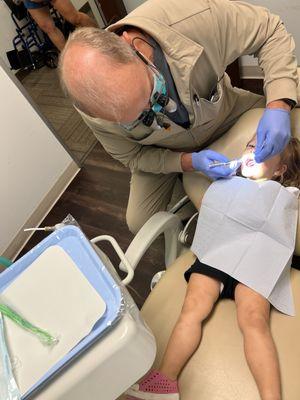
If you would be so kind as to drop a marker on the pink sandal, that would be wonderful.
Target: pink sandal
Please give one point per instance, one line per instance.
(154, 386)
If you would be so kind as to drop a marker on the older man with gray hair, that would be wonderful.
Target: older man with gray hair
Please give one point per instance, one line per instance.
(154, 90)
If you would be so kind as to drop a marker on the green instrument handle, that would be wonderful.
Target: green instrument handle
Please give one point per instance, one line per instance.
(5, 262)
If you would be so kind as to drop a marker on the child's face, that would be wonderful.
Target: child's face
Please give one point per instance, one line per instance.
(265, 170)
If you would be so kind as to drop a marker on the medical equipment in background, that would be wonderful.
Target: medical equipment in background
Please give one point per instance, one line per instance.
(32, 48)
(8, 386)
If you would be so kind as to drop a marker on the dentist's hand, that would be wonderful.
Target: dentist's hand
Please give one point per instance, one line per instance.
(202, 160)
(273, 133)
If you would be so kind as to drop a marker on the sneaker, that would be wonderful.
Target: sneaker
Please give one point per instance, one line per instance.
(154, 386)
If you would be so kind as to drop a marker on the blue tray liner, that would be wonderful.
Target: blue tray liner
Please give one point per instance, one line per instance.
(77, 246)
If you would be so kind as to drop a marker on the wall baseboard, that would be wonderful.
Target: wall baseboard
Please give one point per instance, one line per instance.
(41, 211)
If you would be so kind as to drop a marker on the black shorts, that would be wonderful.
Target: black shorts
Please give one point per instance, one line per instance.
(229, 283)
(34, 5)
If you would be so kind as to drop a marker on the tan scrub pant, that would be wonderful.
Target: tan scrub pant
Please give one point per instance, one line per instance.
(150, 193)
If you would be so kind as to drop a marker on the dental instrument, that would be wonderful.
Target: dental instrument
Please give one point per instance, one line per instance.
(234, 164)
(231, 164)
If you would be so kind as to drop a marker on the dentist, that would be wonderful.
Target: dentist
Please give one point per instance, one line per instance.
(154, 90)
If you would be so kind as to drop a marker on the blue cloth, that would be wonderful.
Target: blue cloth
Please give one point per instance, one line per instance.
(31, 5)
(273, 133)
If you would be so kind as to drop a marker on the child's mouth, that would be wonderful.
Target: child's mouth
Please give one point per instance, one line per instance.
(249, 162)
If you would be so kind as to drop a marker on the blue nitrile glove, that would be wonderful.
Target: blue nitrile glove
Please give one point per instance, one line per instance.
(273, 133)
(204, 158)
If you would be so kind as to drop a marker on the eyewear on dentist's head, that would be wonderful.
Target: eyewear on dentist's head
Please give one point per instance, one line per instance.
(159, 101)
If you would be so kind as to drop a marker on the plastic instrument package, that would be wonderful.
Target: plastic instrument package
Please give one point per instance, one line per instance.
(8, 386)
(44, 336)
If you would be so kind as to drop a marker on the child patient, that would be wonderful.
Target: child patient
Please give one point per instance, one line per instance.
(206, 285)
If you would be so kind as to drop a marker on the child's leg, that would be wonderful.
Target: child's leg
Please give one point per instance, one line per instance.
(253, 312)
(202, 293)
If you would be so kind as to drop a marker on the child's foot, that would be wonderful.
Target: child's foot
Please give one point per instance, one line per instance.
(154, 386)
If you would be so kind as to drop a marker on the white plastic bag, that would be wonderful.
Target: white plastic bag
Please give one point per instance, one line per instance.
(8, 386)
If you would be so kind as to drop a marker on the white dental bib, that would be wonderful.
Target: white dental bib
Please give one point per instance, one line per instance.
(247, 229)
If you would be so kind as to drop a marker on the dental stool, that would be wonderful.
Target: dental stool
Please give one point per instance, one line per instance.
(218, 370)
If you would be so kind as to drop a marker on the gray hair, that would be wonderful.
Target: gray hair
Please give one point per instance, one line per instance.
(88, 96)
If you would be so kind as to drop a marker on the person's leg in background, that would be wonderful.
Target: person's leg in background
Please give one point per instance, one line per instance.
(69, 13)
(45, 22)
(253, 314)
(149, 193)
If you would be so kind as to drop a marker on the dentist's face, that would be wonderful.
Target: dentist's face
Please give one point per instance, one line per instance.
(265, 170)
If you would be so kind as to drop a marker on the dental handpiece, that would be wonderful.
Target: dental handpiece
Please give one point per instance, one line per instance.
(231, 164)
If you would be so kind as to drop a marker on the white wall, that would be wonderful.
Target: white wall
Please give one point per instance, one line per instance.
(31, 163)
(79, 3)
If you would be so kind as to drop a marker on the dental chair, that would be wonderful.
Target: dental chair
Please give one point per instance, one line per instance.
(218, 370)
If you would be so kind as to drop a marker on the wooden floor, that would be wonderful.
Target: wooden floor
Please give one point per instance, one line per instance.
(45, 90)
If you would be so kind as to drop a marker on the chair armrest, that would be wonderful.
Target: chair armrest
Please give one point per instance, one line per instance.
(162, 222)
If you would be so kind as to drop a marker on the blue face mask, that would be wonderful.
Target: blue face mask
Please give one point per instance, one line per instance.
(159, 102)
(159, 88)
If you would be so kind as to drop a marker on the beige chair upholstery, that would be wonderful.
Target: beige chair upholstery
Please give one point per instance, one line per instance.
(298, 88)
(218, 370)
(232, 145)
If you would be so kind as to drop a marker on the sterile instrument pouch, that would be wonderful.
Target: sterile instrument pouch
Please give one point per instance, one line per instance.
(247, 229)
(8, 386)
